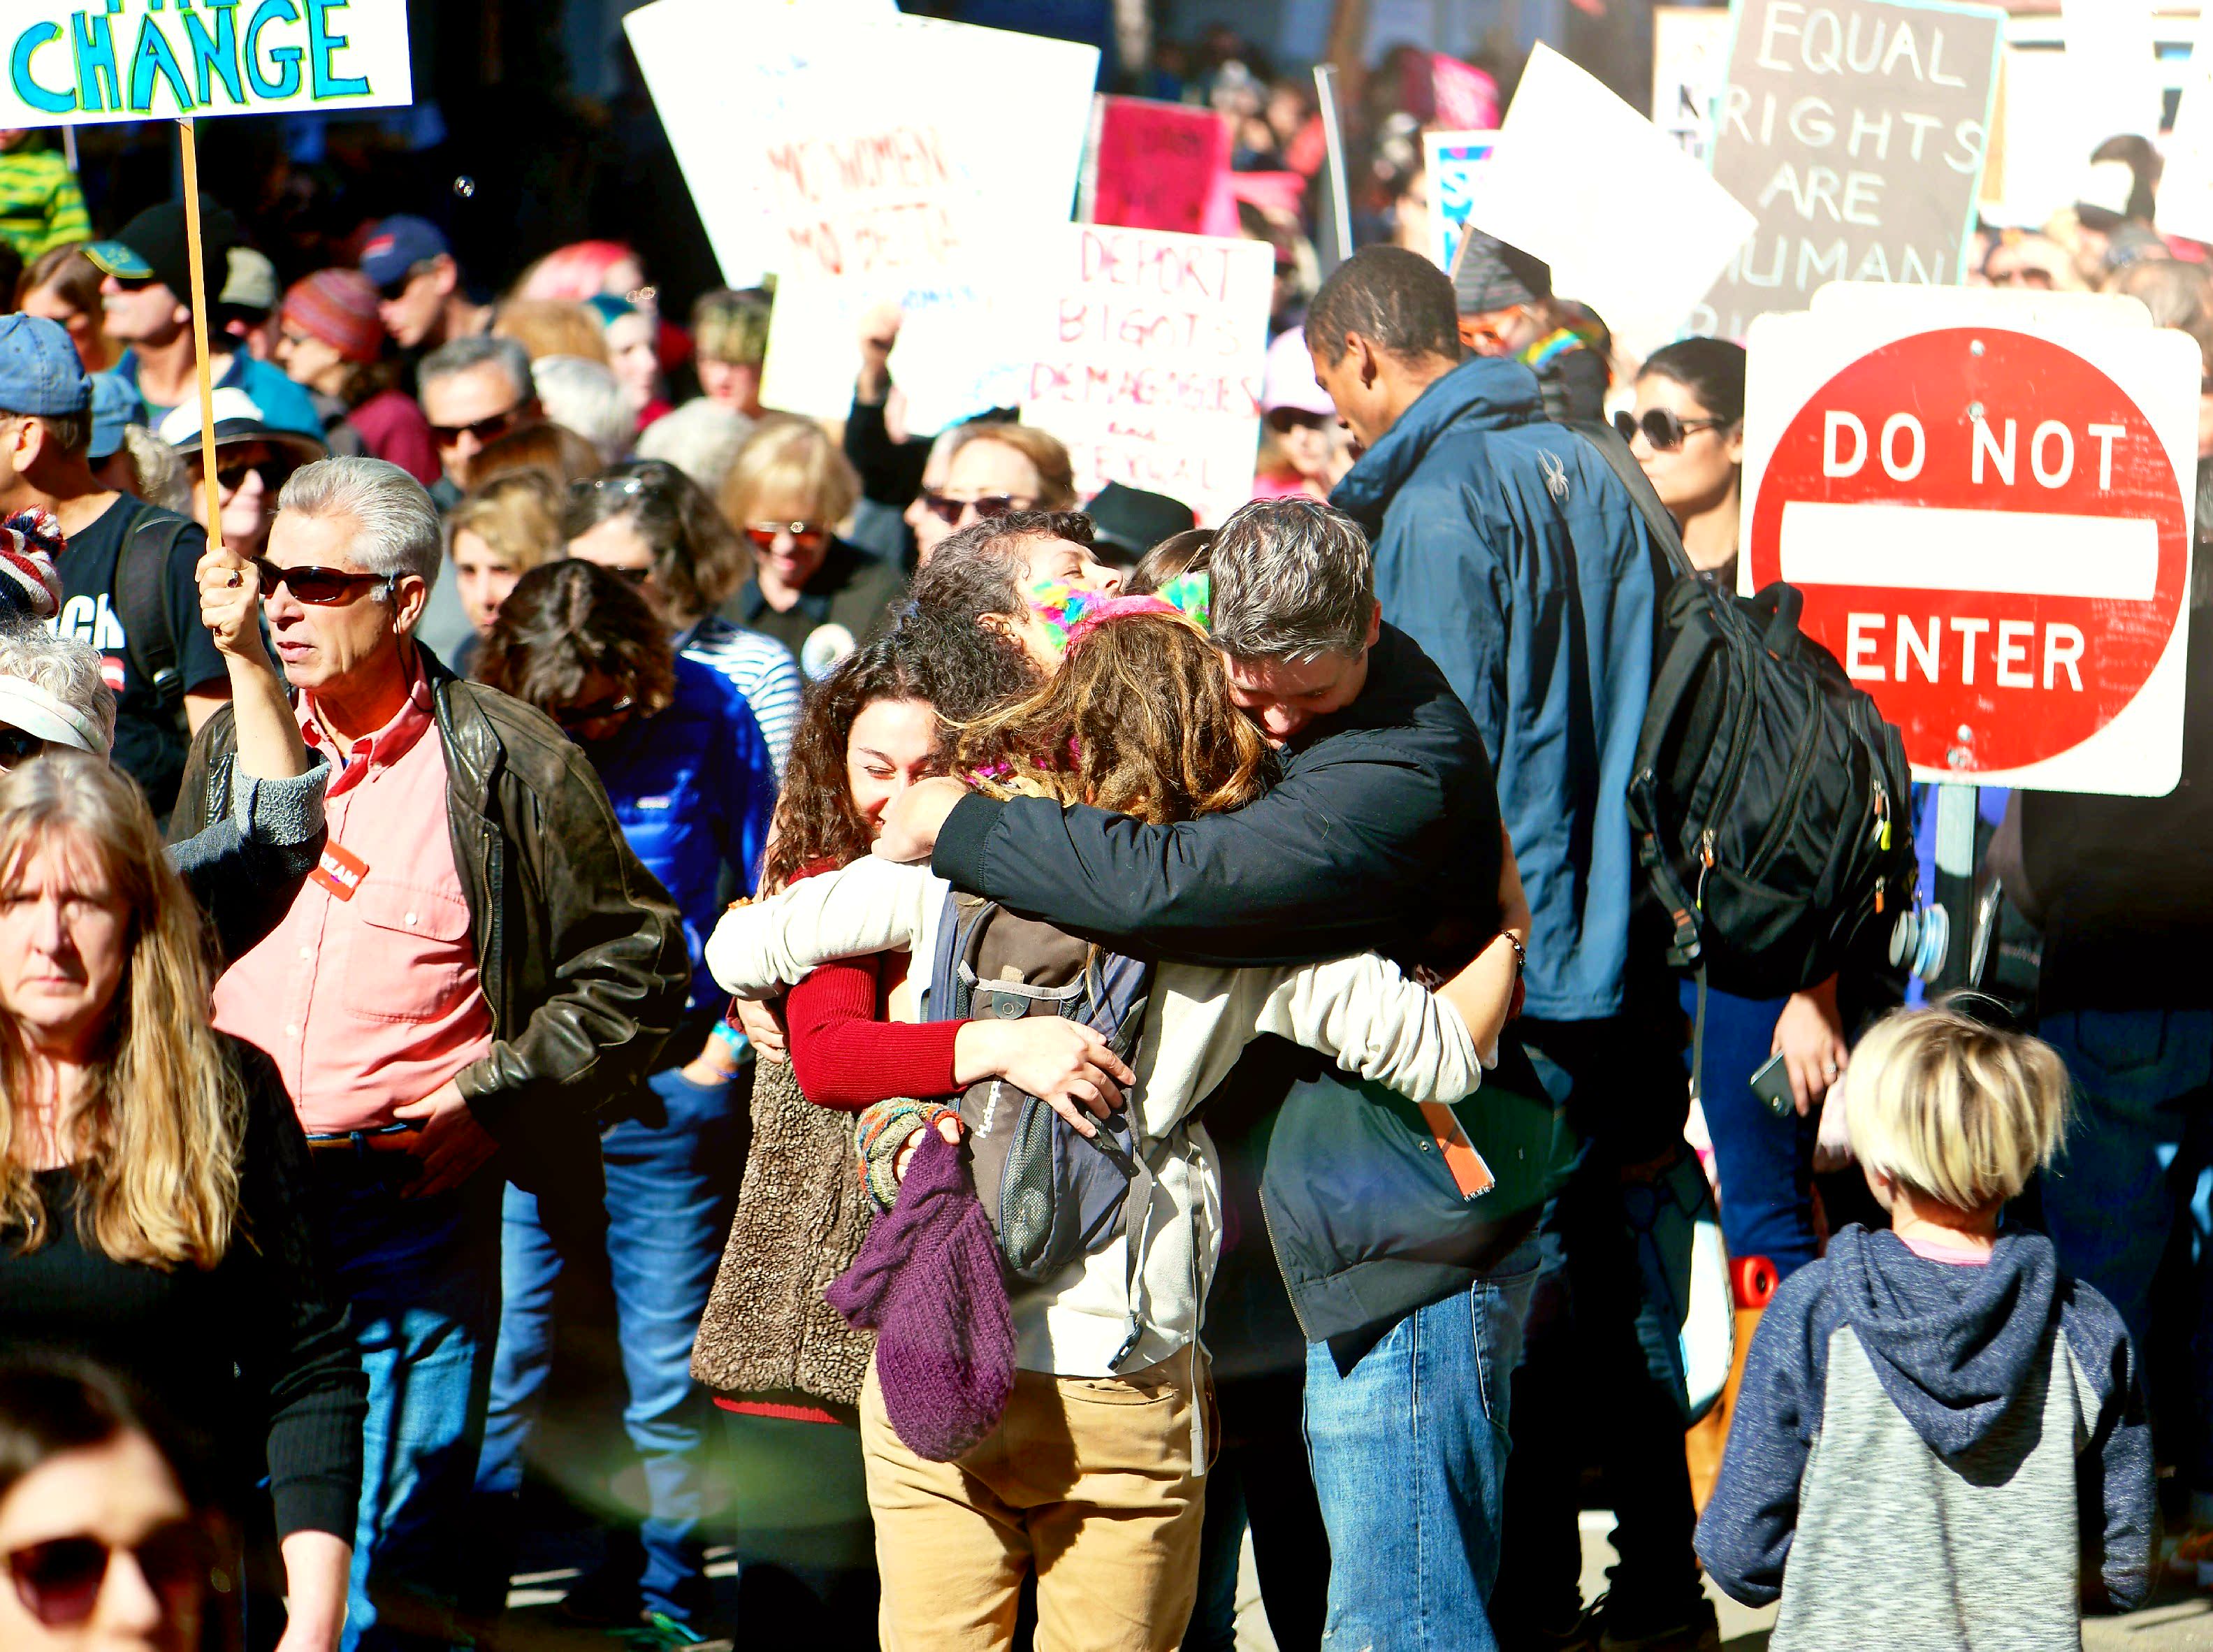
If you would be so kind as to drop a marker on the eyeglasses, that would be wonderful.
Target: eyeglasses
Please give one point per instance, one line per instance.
(274, 472)
(806, 536)
(954, 511)
(1284, 420)
(134, 284)
(391, 291)
(17, 747)
(59, 1581)
(485, 430)
(1662, 429)
(578, 716)
(321, 587)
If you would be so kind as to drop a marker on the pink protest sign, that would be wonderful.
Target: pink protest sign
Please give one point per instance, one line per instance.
(1160, 166)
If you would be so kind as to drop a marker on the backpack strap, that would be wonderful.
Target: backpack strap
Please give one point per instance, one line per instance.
(142, 582)
(1615, 452)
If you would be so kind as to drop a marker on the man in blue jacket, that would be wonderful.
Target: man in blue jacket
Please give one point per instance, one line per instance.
(1508, 548)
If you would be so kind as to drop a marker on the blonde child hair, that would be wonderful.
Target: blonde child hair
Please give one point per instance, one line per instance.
(1955, 1112)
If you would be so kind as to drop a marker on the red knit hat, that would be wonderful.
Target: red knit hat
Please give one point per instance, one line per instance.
(338, 306)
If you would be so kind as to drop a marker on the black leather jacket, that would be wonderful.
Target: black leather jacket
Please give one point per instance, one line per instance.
(579, 949)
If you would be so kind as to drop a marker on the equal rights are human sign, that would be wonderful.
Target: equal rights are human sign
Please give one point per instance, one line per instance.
(106, 60)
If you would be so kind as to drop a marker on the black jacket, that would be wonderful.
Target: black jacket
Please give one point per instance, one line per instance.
(1382, 833)
(579, 952)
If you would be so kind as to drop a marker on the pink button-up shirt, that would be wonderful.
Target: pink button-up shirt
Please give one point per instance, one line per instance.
(370, 1003)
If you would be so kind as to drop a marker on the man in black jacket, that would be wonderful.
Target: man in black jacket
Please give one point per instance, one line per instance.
(1383, 833)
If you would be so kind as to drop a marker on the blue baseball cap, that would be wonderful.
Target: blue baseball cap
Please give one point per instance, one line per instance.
(397, 246)
(115, 404)
(40, 372)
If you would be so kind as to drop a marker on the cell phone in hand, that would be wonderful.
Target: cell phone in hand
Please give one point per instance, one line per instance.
(1771, 1083)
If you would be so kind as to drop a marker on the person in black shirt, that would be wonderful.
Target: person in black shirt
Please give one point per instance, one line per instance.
(45, 431)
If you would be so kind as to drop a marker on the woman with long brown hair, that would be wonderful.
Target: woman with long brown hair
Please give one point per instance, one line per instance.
(153, 1176)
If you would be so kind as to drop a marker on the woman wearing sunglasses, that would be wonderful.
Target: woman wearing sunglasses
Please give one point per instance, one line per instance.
(1304, 452)
(683, 769)
(105, 1533)
(253, 459)
(1688, 432)
(818, 595)
(153, 1177)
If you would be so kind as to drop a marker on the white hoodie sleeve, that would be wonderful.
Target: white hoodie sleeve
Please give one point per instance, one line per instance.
(870, 906)
(1364, 1014)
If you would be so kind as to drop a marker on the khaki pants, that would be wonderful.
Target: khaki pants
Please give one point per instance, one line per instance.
(1087, 1479)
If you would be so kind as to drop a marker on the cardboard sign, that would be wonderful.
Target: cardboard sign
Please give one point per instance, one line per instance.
(820, 141)
(1855, 129)
(1148, 361)
(1464, 98)
(1450, 159)
(1990, 526)
(1690, 66)
(1160, 166)
(1632, 226)
(93, 61)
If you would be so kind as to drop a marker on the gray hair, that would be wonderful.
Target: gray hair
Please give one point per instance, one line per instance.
(584, 396)
(460, 355)
(701, 438)
(1293, 580)
(66, 669)
(397, 526)
(161, 473)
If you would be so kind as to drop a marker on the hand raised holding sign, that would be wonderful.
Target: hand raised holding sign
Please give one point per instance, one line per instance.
(230, 603)
(270, 745)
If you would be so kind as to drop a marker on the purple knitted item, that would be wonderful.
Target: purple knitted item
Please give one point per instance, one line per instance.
(927, 1282)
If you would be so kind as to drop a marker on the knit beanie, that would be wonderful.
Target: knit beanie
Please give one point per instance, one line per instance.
(30, 585)
(338, 306)
(1488, 275)
(927, 1282)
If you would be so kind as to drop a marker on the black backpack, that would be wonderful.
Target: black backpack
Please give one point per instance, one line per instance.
(140, 601)
(1771, 804)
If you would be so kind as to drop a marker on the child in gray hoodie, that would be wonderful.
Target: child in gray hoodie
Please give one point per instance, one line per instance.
(1939, 1433)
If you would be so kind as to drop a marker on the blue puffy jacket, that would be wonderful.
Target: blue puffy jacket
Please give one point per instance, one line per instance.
(693, 788)
(1510, 551)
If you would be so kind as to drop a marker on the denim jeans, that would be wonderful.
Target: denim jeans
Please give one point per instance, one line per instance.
(422, 1279)
(1408, 1447)
(1765, 1163)
(2139, 1160)
(671, 1176)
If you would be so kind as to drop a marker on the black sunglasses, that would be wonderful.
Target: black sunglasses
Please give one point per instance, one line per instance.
(321, 588)
(1662, 429)
(1284, 420)
(17, 746)
(485, 430)
(275, 472)
(59, 1581)
(950, 510)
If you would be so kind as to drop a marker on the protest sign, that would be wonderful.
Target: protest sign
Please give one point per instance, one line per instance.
(819, 142)
(1690, 64)
(1148, 354)
(1450, 158)
(1986, 501)
(93, 61)
(1855, 129)
(1465, 98)
(1160, 166)
(1631, 225)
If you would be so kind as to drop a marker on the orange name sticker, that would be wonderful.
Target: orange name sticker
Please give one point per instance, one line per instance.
(338, 872)
(1469, 1173)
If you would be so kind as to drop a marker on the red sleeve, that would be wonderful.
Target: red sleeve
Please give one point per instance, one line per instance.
(843, 1057)
(393, 429)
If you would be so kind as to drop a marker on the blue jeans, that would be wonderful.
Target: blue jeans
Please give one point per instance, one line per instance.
(2139, 1160)
(1409, 1454)
(670, 1183)
(1765, 1163)
(422, 1278)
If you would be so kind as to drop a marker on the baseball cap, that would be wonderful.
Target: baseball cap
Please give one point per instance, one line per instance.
(115, 404)
(397, 245)
(237, 419)
(1288, 380)
(250, 282)
(40, 372)
(152, 247)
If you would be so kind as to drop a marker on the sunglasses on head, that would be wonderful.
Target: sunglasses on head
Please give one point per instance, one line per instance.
(485, 430)
(806, 535)
(319, 587)
(18, 746)
(275, 471)
(59, 1581)
(1661, 427)
(952, 510)
(1284, 420)
(576, 716)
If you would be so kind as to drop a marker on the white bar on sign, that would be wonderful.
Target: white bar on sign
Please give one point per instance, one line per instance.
(1929, 548)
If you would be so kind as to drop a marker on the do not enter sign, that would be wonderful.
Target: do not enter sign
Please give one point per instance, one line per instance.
(1991, 529)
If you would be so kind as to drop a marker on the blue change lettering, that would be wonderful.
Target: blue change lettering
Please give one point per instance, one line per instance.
(154, 56)
(215, 55)
(285, 57)
(95, 56)
(321, 44)
(26, 84)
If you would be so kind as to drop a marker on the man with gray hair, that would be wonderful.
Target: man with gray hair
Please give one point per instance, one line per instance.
(1383, 831)
(478, 960)
(474, 390)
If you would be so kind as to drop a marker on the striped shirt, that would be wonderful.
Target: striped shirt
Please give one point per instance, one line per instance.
(40, 205)
(763, 670)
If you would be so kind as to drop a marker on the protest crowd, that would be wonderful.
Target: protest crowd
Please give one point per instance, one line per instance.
(650, 999)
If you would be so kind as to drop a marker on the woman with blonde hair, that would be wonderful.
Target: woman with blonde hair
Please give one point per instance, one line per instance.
(819, 595)
(153, 1177)
(997, 468)
(499, 532)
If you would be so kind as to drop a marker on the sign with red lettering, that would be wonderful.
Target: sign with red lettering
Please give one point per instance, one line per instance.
(1990, 526)
(1160, 166)
(1149, 352)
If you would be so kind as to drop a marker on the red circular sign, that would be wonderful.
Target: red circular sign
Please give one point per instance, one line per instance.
(1988, 533)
